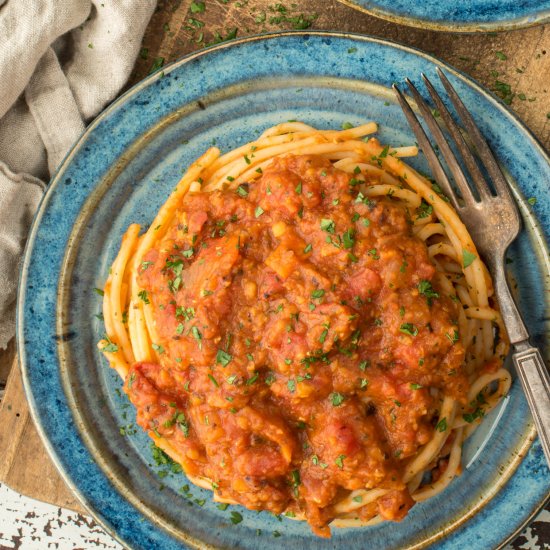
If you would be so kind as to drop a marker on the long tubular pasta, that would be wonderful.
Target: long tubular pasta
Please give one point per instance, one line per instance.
(358, 499)
(447, 476)
(447, 413)
(120, 334)
(378, 172)
(429, 230)
(409, 197)
(401, 152)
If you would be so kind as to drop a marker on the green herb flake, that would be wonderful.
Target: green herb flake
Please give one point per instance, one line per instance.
(441, 425)
(223, 358)
(328, 225)
(196, 333)
(467, 257)
(425, 288)
(340, 461)
(242, 191)
(258, 212)
(142, 295)
(348, 238)
(336, 399)
(235, 518)
(408, 328)
(157, 64)
(158, 348)
(197, 7)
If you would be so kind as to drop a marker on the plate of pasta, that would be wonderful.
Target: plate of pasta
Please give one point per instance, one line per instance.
(464, 16)
(261, 322)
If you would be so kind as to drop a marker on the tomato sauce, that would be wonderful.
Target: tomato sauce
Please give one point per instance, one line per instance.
(299, 331)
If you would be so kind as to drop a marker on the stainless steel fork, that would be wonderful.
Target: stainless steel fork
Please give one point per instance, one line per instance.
(493, 222)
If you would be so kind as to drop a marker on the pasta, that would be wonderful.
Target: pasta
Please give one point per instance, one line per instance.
(179, 296)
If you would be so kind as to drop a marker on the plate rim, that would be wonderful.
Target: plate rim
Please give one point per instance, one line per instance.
(120, 101)
(450, 26)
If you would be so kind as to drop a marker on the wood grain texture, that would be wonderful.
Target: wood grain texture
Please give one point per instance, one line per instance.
(25, 465)
(514, 64)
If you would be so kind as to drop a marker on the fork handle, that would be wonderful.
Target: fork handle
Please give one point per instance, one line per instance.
(536, 385)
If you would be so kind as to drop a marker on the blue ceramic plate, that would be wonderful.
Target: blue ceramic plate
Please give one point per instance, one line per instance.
(459, 15)
(121, 171)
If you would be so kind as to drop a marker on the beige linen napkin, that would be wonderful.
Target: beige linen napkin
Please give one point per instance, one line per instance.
(61, 62)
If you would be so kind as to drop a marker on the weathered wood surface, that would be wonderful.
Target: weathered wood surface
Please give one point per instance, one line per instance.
(516, 65)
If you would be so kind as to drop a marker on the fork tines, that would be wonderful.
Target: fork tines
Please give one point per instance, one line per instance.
(471, 195)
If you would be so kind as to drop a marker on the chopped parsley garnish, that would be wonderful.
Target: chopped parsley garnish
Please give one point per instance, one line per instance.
(298, 188)
(467, 257)
(453, 337)
(196, 333)
(223, 358)
(416, 386)
(182, 424)
(408, 328)
(328, 225)
(197, 7)
(347, 126)
(99, 291)
(340, 461)
(336, 399)
(318, 293)
(111, 347)
(142, 294)
(424, 210)
(242, 191)
(145, 265)
(158, 348)
(349, 238)
(258, 212)
(214, 381)
(441, 425)
(291, 385)
(439, 191)
(425, 288)
(295, 476)
(253, 379)
(373, 253)
(471, 417)
(236, 518)
(308, 248)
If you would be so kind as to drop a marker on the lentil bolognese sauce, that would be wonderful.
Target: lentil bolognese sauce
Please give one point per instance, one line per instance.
(307, 328)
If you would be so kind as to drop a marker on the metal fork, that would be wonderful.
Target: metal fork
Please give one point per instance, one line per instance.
(493, 222)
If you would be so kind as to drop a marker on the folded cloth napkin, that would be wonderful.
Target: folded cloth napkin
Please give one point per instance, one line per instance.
(61, 62)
